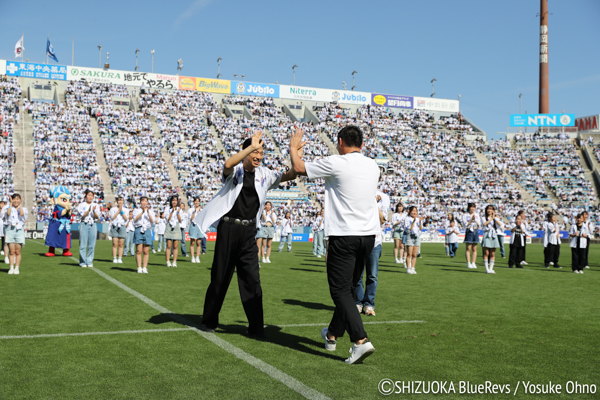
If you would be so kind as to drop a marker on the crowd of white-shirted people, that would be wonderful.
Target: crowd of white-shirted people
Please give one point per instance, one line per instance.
(10, 94)
(426, 161)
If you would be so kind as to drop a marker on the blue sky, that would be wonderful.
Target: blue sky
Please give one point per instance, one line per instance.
(485, 51)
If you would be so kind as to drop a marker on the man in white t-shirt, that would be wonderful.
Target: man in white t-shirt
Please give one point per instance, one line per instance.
(351, 223)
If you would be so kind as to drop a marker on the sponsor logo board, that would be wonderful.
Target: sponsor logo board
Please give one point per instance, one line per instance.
(254, 89)
(97, 75)
(433, 104)
(213, 85)
(542, 120)
(391, 100)
(32, 70)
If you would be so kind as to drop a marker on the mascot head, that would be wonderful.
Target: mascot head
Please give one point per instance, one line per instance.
(60, 196)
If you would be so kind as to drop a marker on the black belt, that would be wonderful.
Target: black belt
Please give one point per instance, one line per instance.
(239, 221)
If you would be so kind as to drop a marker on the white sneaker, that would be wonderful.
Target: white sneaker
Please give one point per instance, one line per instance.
(174, 265)
(397, 261)
(359, 307)
(317, 257)
(17, 271)
(551, 263)
(12, 270)
(168, 263)
(414, 271)
(154, 251)
(1, 252)
(473, 266)
(469, 265)
(145, 270)
(587, 267)
(401, 261)
(6, 260)
(329, 344)
(575, 272)
(119, 261)
(193, 261)
(90, 266)
(264, 260)
(524, 263)
(197, 260)
(140, 271)
(187, 255)
(359, 352)
(83, 266)
(268, 260)
(115, 261)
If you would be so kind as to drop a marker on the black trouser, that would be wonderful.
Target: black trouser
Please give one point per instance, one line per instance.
(235, 247)
(346, 258)
(587, 251)
(551, 254)
(577, 258)
(516, 255)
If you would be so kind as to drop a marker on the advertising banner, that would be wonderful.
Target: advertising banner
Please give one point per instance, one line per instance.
(96, 75)
(542, 120)
(433, 104)
(152, 81)
(305, 93)
(583, 124)
(254, 89)
(350, 97)
(31, 70)
(2, 67)
(213, 85)
(187, 83)
(324, 95)
(391, 100)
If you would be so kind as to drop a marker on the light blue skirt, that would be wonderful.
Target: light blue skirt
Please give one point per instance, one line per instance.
(142, 238)
(413, 240)
(194, 232)
(117, 232)
(490, 242)
(260, 234)
(398, 233)
(269, 232)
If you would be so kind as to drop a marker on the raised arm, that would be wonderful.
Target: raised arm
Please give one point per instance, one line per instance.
(296, 144)
(237, 158)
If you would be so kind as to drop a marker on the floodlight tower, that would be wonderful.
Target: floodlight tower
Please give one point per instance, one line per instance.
(544, 95)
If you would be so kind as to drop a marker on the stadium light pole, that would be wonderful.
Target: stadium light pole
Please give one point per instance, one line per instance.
(353, 74)
(136, 58)
(107, 58)
(99, 56)
(219, 67)
(294, 69)
(432, 87)
(243, 76)
(152, 52)
(179, 65)
(344, 84)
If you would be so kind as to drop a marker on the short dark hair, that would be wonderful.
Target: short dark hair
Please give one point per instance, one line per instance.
(142, 198)
(15, 196)
(351, 135)
(247, 143)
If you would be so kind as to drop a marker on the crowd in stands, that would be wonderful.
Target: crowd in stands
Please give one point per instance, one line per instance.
(10, 94)
(64, 153)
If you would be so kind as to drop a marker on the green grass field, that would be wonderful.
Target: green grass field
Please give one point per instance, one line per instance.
(529, 324)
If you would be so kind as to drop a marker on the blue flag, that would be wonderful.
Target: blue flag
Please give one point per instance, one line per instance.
(50, 51)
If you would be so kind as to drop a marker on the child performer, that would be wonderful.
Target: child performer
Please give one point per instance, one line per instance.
(143, 219)
(579, 234)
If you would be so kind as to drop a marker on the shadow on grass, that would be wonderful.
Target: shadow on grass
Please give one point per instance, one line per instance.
(4, 270)
(398, 271)
(274, 334)
(313, 265)
(125, 269)
(306, 270)
(462, 270)
(308, 304)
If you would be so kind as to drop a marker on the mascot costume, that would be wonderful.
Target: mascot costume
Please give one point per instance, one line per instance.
(59, 227)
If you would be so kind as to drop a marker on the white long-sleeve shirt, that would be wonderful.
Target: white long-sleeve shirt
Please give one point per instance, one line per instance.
(551, 233)
(264, 180)
(286, 226)
(90, 218)
(583, 241)
(474, 225)
(144, 221)
(14, 219)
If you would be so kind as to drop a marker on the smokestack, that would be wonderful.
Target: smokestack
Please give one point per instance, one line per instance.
(544, 106)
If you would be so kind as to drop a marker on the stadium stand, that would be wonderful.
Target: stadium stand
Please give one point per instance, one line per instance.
(10, 94)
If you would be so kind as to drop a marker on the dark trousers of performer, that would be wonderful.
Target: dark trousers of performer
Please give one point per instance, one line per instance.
(345, 263)
(516, 255)
(551, 254)
(587, 253)
(578, 258)
(235, 247)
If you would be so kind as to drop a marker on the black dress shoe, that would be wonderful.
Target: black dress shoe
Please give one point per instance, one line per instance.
(257, 336)
(205, 328)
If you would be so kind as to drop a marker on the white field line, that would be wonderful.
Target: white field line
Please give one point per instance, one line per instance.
(53, 335)
(268, 369)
